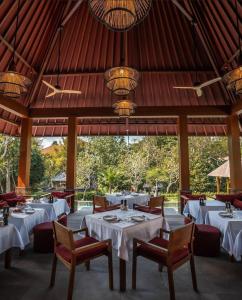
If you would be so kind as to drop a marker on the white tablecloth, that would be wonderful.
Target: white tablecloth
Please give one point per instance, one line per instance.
(141, 199)
(237, 250)
(230, 228)
(53, 210)
(26, 222)
(199, 212)
(9, 238)
(122, 233)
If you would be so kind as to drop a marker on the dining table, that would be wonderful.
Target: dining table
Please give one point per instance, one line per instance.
(230, 228)
(123, 231)
(132, 198)
(9, 238)
(198, 211)
(53, 210)
(25, 222)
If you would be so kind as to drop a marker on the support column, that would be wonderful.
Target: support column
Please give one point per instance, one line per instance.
(71, 157)
(25, 156)
(183, 152)
(234, 153)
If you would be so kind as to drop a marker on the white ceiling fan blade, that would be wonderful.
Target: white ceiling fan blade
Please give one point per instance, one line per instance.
(184, 87)
(199, 92)
(50, 95)
(48, 84)
(71, 92)
(209, 82)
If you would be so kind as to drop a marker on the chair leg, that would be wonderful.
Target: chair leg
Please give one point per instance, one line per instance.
(193, 272)
(8, 258)
(110, 270)
(53, 272)
(87, 263)
(134, 271)
(160, 267)
(171, 284)
(71, 282)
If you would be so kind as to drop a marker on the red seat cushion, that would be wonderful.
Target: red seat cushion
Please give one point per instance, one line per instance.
(8, 196)
(157, 255)
(86, 254)
(43, 227)
(206, 240)
(228, 198)
(3, 203)
(150, 210)
(60, 194)
(237, 204)
(208, 229)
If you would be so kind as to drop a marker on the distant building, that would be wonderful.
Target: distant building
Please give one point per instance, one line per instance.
(59, 181)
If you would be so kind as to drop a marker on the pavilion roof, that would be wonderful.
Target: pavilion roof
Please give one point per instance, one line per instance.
(160, 47)
(221, 171)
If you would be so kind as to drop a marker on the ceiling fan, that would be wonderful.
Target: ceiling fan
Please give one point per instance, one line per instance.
(56, 89)
(197, 86)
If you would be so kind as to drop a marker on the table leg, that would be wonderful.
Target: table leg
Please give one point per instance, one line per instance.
(122, 274)
(7, 261)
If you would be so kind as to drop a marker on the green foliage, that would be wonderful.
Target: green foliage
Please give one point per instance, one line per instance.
(37, 168)
(109, 164)
(206, 154)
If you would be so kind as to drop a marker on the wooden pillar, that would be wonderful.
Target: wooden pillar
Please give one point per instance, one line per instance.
(71, 157)
(234, 153)
(183, 151)
(25, 156)
(218, 183)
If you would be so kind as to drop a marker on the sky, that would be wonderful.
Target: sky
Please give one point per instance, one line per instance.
(46, 142)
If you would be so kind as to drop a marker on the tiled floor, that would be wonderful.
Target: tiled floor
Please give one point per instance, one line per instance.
(29, 277)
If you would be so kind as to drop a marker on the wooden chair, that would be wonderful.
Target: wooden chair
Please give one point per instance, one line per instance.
(72, 253)
(172, 253)
(100, 204)
(155, 206)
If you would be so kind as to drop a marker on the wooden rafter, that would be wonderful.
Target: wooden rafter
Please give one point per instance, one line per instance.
(145, 111)
(13, 107)
(20, 57)
(11, 122)
(203, 37)
(52, 44)
(66, 73)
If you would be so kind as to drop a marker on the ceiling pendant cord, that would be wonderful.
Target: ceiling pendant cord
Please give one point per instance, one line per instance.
(122, 52)
(12, 61)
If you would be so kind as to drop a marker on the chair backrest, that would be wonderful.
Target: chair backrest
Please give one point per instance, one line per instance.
(99, 201)
(156, 201)
(181, 238)
(63, 236)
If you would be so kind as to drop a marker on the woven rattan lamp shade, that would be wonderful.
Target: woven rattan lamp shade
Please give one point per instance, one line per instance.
(124, 108)
(13, 84)
(121, 80)
(120, 15)
(233, 80)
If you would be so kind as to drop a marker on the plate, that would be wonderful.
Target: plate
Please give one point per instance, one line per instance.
(29, 211)
(225, 215)
(138, 218)
(110, 218)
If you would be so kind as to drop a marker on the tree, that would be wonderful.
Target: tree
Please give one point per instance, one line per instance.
(9, 156)
(37, 169)
(206, 154)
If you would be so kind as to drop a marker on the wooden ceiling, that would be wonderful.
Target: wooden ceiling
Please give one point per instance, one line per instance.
(160, 48)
